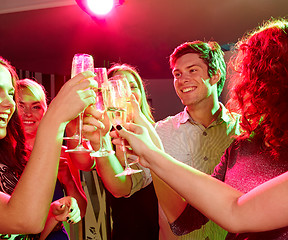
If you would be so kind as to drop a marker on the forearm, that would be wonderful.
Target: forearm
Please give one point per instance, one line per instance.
(50, 224)
(190, 220)
(162, 189)
(164, 192)
(107, 168)
(73, 190)
(263, 208)
(46, 150)
(196, 187)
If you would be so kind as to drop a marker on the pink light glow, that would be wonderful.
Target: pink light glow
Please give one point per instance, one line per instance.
(100, 7)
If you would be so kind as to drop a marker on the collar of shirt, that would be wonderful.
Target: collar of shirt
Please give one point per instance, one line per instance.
(222, 117)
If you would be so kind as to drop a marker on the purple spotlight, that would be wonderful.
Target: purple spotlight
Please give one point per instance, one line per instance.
(100, 7)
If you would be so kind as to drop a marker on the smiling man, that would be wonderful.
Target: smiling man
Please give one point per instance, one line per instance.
(199, 135)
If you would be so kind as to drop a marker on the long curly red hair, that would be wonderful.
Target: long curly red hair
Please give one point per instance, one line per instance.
(260, 91)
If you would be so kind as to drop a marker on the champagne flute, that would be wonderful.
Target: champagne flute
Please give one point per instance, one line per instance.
(101, 78)
(81, 62)
(116, 96)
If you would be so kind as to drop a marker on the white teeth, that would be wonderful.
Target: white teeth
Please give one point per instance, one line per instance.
(28, 122)
(4, 116)
(188, 89)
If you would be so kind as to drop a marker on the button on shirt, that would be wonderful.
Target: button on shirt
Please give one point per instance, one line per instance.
(199, 147)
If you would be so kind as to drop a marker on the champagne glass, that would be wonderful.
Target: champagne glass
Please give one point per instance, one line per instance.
(116, 96)
(101, 78)
(81, 62)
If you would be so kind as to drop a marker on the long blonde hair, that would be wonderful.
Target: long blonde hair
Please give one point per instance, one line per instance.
(144, 106)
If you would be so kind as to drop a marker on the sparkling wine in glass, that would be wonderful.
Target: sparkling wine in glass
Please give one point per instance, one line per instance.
(81, 62)
(102, 79)
(116, 96)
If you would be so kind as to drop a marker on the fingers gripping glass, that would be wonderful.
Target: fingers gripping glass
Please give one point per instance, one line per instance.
(101, 78)
(80, 63)
(116, 97)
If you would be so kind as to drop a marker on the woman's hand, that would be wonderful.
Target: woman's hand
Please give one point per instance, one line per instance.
(74, 96)
(65, 209)
(94, 122)
(140, 119)
(137, 116)
(138, 138)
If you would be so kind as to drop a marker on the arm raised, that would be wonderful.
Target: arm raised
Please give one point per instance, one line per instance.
(263, 208)
(33, 194)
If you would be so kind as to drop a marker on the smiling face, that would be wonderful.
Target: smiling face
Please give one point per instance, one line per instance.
(191, 80)
(7, 104)
(31, 110)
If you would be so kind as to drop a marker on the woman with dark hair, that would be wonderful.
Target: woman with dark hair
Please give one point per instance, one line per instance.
(15, 136)
(253, 205)
(26, 210)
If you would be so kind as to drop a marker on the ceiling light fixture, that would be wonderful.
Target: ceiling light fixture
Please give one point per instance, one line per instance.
(98, 8)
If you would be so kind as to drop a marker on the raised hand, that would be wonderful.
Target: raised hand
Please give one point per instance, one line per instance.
(66, 210)
(140, 119)
(94, 121)
(76, 92)
(138, 138)
(137, 117)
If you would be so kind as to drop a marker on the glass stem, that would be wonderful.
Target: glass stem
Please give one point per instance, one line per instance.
(100, 141)
(80, 128)
(125, 155)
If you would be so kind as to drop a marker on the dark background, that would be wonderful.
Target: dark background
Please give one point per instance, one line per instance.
(140, 32)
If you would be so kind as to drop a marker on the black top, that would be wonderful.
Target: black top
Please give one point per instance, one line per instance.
(135, 217)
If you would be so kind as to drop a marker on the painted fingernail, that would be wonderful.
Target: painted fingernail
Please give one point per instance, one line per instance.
(67, 218)
(71, 210)
(118, 127)
(62, 206)
(69, 221)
